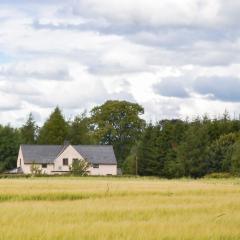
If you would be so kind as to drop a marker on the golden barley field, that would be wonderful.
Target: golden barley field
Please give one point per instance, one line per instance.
(119, 208)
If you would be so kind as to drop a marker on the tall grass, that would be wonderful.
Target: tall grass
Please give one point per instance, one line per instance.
(112, 208)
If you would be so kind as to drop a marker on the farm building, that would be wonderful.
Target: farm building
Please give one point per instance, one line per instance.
(57, 159)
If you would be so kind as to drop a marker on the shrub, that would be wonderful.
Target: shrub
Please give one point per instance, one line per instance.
(35, 169)
(219, 175)
(80, 167)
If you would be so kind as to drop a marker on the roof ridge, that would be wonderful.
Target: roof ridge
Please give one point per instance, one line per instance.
(41, 145)
(93, 145)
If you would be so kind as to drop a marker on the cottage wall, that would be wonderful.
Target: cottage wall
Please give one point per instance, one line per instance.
(20, 163)
(70, 153)
(104, 170)
(27, 168)
(20, 158)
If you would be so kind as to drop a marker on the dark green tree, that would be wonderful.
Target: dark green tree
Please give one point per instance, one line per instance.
(171, 133)
(29, 131)
(235, 159)
(54, 130)
(79, 130)
(192, 152)
(219, 153)
(148, 152)
(173, 166)
(9, 146)
(130, 165)
(118, 123)
(157, 149)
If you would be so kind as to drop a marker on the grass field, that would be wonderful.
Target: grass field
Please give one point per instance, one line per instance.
(119, 208)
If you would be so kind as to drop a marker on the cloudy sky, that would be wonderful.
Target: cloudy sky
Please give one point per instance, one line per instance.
(176, 58)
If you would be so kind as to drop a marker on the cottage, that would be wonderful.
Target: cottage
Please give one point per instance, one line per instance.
(57, 159)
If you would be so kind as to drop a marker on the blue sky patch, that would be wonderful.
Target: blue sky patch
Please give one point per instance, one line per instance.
(5, 58)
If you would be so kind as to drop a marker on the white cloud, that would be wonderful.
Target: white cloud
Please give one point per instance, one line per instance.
(167, 55)
(152, 12)
(48, 69)
(9, 102)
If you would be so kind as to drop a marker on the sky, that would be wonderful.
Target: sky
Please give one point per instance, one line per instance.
(176, 58)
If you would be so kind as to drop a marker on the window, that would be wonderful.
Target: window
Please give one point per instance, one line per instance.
(44, 165)
(75, 159)
(95, 165)
(65, 161)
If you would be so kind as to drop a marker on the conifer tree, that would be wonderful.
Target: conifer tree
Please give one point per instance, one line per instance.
(79, 130)
(220, 153)
(9, 145)
(192, 152)
(148, 164)
(235, 159)
(29, 131)
(54, 130)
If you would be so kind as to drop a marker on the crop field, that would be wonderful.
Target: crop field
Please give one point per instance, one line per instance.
(119, 208)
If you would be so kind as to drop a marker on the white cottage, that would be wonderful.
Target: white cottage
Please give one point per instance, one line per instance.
(57, 159)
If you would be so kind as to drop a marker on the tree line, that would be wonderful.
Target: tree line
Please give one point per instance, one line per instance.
(168, 148)
(176, 148)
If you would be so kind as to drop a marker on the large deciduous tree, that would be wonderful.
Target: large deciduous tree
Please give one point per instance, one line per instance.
(118, 123)
(54, 130)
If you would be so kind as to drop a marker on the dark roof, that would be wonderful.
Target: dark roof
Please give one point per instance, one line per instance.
(99, 154)
(40, 153)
